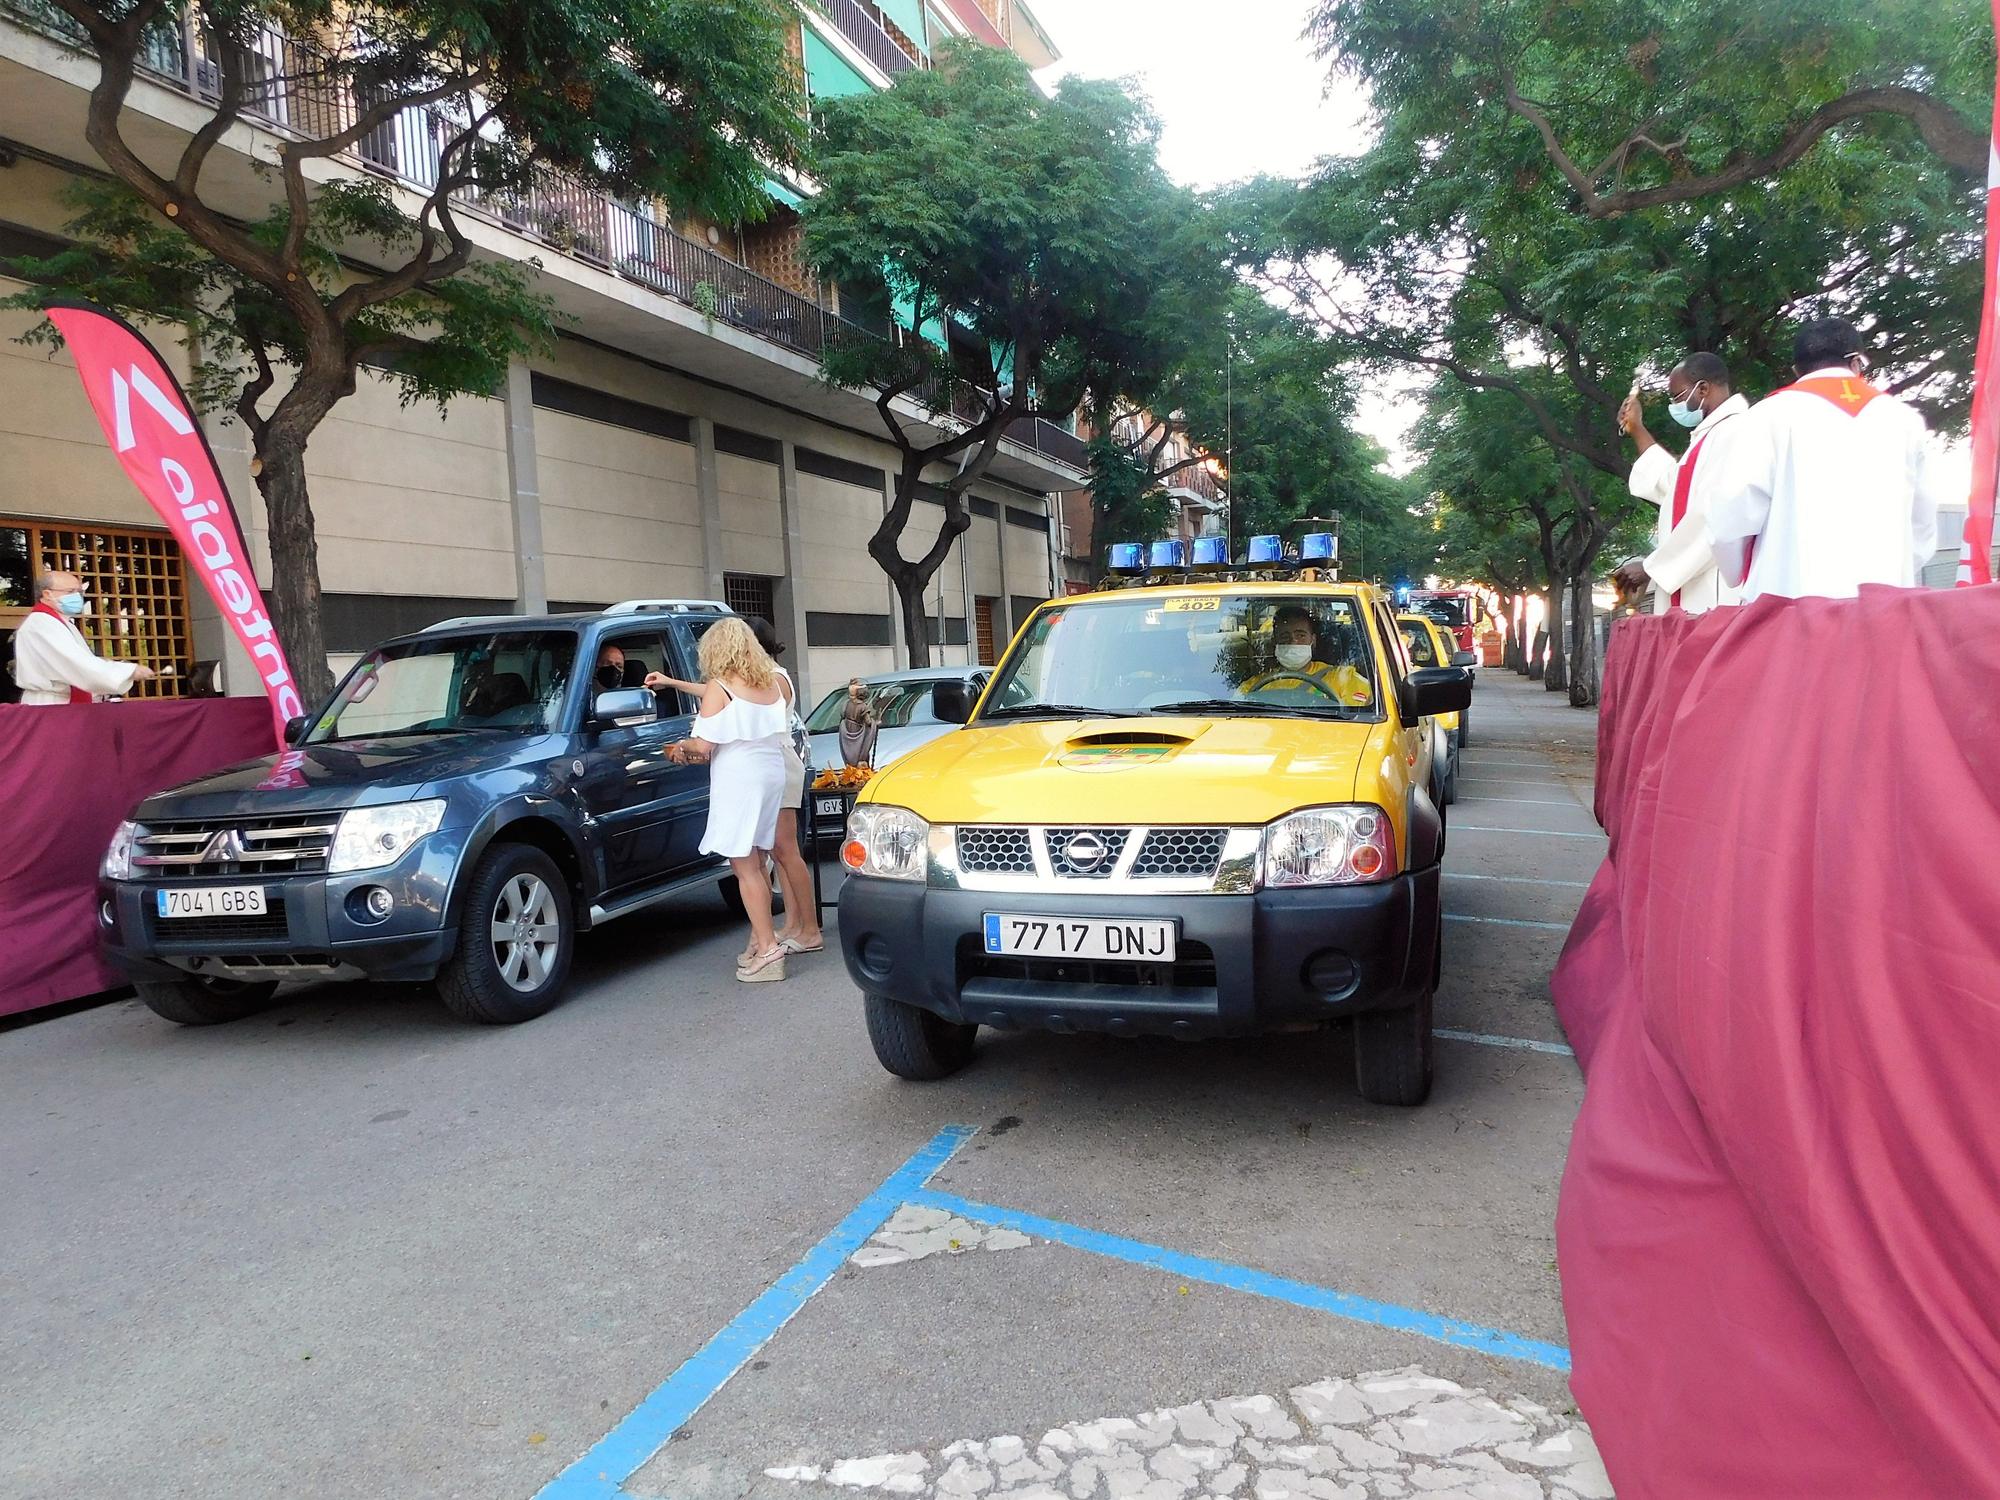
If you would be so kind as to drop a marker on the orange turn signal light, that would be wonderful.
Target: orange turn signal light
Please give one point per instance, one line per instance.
(854, 854)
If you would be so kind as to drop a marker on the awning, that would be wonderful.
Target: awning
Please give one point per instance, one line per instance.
(828, 74)
(909, 16)
(783, 194)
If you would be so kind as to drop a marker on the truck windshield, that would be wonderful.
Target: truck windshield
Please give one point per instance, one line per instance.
(1248, 653)
(508, 682)
(1446, 609)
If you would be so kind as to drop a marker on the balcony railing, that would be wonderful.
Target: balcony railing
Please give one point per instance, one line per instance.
(860, 28)
(294, 93)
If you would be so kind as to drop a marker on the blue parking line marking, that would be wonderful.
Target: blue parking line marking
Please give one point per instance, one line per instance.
(601, 1472)
(1555, 1049)
(1258, 1283)
(1453, 916)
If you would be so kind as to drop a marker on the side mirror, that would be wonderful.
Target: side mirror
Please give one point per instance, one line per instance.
(1464, 659)
(951, 702)
(1440, 690)
(295, 728)
(623, 707)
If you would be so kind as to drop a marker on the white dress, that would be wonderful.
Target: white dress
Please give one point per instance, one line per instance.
(746, 784)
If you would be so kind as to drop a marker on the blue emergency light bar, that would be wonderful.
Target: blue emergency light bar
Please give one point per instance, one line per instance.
(1127, 557)
(1211, 552)
(1167, 555)
(1318, 546)
(1266, 549)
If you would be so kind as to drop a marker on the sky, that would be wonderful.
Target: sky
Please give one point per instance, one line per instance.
(1238, 93)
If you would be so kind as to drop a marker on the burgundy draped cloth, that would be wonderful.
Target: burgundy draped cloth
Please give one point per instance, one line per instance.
(68, 775)
(1779, 1230)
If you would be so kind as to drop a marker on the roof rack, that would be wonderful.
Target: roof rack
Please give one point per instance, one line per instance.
(667, 607)
(454, 624)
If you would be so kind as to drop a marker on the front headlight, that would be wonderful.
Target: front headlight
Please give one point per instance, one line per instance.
(1349, 845)
(891, 842)
(371, 837)
(118, 858)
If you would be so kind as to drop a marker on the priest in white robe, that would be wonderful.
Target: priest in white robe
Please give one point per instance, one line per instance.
(1829, 483)
(53, 663)
(1681, 567)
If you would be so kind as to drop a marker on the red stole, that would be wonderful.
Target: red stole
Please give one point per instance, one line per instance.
(1683, 487)
(1848, 392)
(76, 694)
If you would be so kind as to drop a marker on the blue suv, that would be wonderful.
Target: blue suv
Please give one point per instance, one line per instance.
(469, 800)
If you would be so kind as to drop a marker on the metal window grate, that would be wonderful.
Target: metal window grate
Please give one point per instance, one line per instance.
(751, 595)
(136, 582)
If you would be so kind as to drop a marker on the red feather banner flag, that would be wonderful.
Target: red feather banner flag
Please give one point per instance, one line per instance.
(1975, 558)
(154, 432)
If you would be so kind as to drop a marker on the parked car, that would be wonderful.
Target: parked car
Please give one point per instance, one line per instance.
(906, 706)
(1459, 612)
(469, 800)
(1156, 821)
(1431, 646)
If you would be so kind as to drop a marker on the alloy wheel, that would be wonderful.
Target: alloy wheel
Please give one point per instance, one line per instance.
(525, 932)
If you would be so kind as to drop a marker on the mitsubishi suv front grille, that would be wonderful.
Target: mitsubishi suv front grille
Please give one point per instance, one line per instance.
(294, 844)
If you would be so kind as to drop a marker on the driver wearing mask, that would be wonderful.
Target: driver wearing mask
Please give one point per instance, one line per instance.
(610, 674)
(1297, 675)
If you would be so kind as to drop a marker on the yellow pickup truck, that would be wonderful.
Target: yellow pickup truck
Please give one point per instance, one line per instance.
(1196, 809)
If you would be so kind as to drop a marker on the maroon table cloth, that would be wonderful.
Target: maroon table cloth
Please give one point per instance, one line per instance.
(67, 776)
(1779, 1230)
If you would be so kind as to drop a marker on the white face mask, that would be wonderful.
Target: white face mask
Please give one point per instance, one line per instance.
(1293, 657)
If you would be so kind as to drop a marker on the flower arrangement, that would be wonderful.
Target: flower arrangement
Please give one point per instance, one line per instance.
(842, 778)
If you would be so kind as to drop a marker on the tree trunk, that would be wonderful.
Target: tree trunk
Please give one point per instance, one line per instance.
(1555, 677)
(294, 597)
(910, 590)
(1583, 643)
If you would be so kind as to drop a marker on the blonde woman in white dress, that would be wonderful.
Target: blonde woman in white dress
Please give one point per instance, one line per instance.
(743, 730)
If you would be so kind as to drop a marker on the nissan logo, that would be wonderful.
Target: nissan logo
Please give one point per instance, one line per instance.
(1084, 851)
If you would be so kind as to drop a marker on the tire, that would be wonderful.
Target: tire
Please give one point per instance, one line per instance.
(498, 980)
(915, 1044)
(732, 896)
(204, 1002)
(1393, 1048)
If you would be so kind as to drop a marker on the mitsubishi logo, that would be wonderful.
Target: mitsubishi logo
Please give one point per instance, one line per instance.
(226, 848)
(1084, 851)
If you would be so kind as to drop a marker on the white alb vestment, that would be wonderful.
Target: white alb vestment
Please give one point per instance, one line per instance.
(1683, 557)
(51, 656)
(1825, 485)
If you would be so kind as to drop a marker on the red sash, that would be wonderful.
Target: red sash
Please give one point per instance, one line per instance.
(76, 694)
(1848, 392)
(1684, 487)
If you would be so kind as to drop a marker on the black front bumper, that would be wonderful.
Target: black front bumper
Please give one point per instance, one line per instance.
(1247, 964)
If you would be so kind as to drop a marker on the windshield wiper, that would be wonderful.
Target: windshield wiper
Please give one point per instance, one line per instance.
(1051, 711)
(1250, 707)
(405, 734)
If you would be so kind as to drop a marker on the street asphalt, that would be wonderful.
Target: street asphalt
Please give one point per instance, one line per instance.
(349, 1248)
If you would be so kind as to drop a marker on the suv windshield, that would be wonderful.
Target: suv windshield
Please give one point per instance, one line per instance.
(1196, 653)
(510, 682)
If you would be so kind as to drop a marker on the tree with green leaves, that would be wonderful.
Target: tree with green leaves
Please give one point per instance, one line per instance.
(686, 100)
(1643, 104)
(1032, 242)
(1457, 247)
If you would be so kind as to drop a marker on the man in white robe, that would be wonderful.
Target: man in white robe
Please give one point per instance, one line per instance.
(52, 661)
(1681, 566)
(1827, 484)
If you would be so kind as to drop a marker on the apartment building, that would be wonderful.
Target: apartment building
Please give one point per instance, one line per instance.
(678, 442)
(1197, 490)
